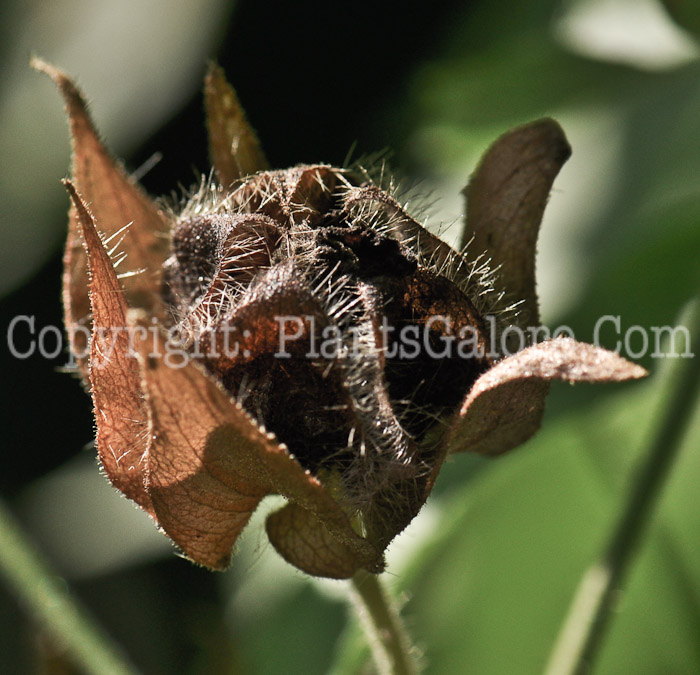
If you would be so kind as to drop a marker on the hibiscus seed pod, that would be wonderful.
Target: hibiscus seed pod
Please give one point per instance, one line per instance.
(304, 336)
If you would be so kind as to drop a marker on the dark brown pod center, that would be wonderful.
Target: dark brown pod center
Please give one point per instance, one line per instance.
(326, 328)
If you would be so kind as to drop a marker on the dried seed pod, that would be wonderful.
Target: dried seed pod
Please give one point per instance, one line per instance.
(305, 336)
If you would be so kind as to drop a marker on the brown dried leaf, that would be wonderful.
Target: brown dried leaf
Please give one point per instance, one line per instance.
(120, 411)
(505, 406)
(506, 198)
(116, 202)
(210, 465)
(233, 145)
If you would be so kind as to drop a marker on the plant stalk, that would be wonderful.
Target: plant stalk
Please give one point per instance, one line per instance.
(385, 631)
(44, 594)
(582, 633)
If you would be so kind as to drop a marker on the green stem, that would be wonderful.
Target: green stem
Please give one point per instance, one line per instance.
(43, 593)
(388, 638)
(583, 631)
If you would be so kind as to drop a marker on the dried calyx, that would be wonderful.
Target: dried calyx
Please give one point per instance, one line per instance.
(336, 350)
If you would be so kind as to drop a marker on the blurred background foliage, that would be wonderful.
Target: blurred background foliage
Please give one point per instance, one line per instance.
(489, 567)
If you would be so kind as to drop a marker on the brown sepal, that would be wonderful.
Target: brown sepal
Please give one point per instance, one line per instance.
(234, 147)
(120, 410)
(504, 407)
(116, 202)
(506, 198)
(302, 540)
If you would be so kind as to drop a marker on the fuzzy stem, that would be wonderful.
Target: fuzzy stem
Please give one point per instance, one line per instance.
(43, 593)
(379, 617)
(583, 630)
